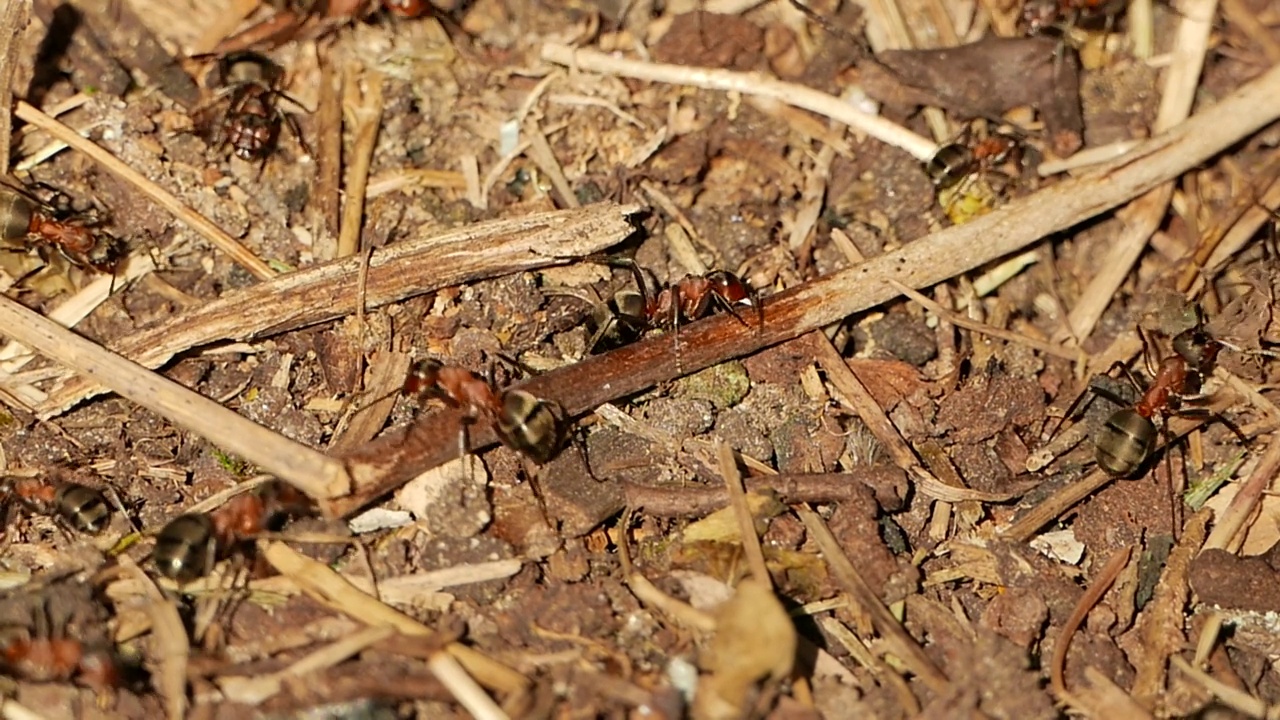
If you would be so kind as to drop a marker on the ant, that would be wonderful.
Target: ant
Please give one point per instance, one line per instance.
(47, 656)
(251, 123)
(962, 168)
(1127, 439)
(77, 236)
(650, 306)
(528, 424)
(1040, 15)
(80, 506)
(188, 546)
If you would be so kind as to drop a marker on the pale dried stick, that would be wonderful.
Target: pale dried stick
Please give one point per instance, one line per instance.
(1239, 700)
(1250, 494)
(746, 522)
(312, 472)
(748, 84)
(170, 642)
(897, 639)
(362, 111)
(1244, 232)
(1144, 215)
(13, 20)
(1087, 157)
(202, 225)
(226, 23)
(405, 269)
(320, 581)
(542, 156)
(392, 180)
(1073, 354)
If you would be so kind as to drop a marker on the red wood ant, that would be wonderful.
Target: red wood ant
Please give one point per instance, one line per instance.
(188, 546)
(80, 506)
(46, 655)
(251, 123)
(27, 222)
(1040, 15)
(1127, 439)
(527, 424)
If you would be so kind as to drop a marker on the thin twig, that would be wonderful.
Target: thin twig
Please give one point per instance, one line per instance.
(1250, 494)
(747, 84)
(202, 225)
(13, 21)
(363, 111)
(312, 472)
(402, 270)
(746, 522)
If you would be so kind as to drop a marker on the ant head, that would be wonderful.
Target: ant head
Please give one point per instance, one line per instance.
(423, 378)
(1198, 348)
(186, 547)
(531, 425)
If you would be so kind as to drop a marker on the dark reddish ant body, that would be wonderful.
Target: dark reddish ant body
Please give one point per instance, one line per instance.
(80, 506)
(1041, 15)
(961, 159)
(251, 123)
(28, 222)
(189, 545)
(61, 659)
(525, 423)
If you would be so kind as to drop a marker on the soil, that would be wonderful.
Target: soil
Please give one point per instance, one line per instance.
(632, 592)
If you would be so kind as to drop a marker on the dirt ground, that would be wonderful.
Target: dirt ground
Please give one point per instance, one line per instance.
(762, 514)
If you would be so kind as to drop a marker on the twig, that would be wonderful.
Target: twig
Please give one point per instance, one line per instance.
(328, 143)
(747, 84)
(312, 472)
(363, 111)
(896, 637)
(746, 523)
(385, 464)
(1145, 214)
(689, 501)
(1097, 589)
(170, 641)
(402, 270)
(13, 21)
(1248, 497)
(1073, 354)
(202, 225)
(320, 581)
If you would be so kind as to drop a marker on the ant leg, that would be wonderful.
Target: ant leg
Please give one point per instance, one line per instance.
(292, 123)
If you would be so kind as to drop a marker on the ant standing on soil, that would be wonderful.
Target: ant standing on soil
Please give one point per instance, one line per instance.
(1127, 438)
(251, 123)
(189, 545)
(80, 506)
(27, 222)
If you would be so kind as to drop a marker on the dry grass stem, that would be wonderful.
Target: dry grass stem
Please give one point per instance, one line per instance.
(385, 465)
(541, 154)
(393, 180)
(327, 586)
(399, 271)
(202, 225)
(363, 112)
(13, 21)
(897, 639)
(747, 84)
(746, 521)
(328, 147)
(1233, 697)
(312, 472)
(1073, 354)
(1246, 500)
(1086, 158)
(174, 649)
